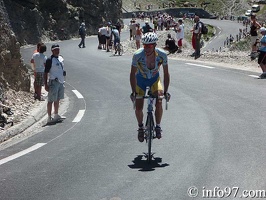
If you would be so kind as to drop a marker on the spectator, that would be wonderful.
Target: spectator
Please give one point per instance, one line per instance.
(118, 27)
(179, 29)
(102, 37)
(99, 38)
(133, 27)
(32, 66)
(170, 44)
(146, 28)
(116, 36)
(130, 29)
(155, 24)
(138, 35)
(196, 36)
(39, 60)
(108, 36)
(82, 33)
(254, 27)
(55, 87)
(262, 55)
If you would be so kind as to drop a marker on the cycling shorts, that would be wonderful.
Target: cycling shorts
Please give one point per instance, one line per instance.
(154, 83)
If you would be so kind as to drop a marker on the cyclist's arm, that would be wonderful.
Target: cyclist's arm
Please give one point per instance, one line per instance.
(133, 81)
(166, 78)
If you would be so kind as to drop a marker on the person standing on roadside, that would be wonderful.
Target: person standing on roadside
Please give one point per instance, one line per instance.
(32, 66)
(254, 27)
(39, 60)
(54, 67)
(262, 55)
(138, 35)
(82, 33)
(179, 29)
(196, 36)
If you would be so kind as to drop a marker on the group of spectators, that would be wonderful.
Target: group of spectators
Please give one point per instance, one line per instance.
(160, 22)
(49, 72)
(172, 44)
(109, 36)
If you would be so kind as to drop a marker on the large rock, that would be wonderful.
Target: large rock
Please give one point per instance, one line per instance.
(13, 73)
(35, 20)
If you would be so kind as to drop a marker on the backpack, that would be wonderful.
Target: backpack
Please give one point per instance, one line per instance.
(80, 31)
(204, 29)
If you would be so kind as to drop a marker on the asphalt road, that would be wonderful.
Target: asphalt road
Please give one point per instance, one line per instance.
(213, 140)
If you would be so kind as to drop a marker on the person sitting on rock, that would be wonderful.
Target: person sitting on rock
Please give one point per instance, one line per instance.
(170, 44)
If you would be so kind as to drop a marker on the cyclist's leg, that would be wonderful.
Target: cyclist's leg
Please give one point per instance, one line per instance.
(140, 90)
(157, 90)
(139, 108)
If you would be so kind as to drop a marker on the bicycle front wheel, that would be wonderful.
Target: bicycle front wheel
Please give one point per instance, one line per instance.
(150, 126)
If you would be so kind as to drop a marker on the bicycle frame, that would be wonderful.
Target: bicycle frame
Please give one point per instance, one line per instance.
(149, 130)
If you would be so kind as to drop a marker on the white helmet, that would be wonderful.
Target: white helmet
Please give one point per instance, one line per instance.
(149, 38)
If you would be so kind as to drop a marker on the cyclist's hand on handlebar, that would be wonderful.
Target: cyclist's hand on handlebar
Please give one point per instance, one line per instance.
(167, 96)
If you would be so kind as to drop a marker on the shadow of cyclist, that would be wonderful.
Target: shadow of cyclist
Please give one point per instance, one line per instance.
(143, 165)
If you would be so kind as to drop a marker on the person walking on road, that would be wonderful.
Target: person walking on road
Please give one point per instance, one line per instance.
(82, 33)
(54, 67)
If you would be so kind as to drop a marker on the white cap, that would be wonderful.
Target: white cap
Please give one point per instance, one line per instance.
(262, 29)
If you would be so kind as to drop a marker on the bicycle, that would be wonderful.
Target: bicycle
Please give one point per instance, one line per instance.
(149, 124)
(118, 49)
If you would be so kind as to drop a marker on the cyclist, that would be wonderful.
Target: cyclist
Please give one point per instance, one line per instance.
(115, 34)
(146, 63)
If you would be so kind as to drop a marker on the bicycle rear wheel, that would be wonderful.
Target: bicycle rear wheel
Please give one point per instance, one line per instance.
(120, 49)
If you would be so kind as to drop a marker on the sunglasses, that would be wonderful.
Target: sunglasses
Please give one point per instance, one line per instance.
(148, 45)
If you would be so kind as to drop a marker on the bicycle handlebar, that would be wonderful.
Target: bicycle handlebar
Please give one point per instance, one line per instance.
(166, 97)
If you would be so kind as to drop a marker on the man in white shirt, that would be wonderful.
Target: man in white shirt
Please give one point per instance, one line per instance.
(108, 36)
(102, 37)
(55, 86)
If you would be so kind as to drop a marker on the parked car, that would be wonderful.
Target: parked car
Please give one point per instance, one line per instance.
(248, 12)
(255, 8)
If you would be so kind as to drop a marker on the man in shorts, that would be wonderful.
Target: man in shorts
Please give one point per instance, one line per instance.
(146, 63)
(55, 86)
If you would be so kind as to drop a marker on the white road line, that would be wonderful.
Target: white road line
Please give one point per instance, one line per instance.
(79, 116)
(78, 94)
(254, 76)
(205, 66)
(22, 153)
